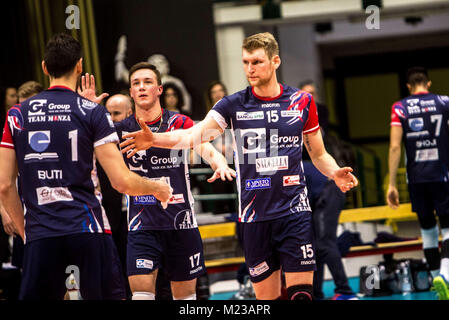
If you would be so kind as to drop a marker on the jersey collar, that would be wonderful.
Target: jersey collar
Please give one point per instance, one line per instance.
(268, 98)
(59, 87)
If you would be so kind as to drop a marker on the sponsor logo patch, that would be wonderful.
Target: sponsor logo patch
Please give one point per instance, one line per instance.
(261, 183)
(259, 269)
(46, 195)
(144, 264)
(257, 115)
(272, 164)
(290, 180)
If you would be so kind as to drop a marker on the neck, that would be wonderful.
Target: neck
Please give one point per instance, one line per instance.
(269, 89)
(69, 81)
(419, 89)
(150, 114)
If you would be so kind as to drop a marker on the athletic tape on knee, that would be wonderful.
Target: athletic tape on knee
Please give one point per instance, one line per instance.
(142, 295)
(430, 238)
(300, 292)
(191, 297)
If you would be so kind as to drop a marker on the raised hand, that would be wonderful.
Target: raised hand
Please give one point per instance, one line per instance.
(87, 89)
(344, 179)
(223, 173)
(137, 140)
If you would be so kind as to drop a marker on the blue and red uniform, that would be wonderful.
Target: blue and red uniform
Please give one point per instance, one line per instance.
(54, 135)
(268, 139)
(158, 236)
(424, 118)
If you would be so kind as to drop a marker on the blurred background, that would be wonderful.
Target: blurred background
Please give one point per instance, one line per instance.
(356, 51)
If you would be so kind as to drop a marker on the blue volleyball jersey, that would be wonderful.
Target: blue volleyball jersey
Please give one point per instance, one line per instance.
(146, 212)
(54, 135)
(268, 138)
(424, 120)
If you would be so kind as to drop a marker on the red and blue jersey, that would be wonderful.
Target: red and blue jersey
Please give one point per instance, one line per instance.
(146, 212)
(424, 120)
(268, 143)
(54, 135)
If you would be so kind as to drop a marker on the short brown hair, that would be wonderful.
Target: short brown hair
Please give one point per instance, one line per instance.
(263, 40)
(29, 88)
(145, 65)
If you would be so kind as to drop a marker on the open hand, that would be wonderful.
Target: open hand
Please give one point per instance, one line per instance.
(137, 140)
(344, 179)
(87, 89)
(223, 173)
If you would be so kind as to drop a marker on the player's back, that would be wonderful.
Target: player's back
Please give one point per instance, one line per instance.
(424, 119)
(54, 134)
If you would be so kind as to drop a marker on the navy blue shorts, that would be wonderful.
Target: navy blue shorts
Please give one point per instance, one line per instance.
(91, 257)
(285, 242)
(178, 252)
(429, 199)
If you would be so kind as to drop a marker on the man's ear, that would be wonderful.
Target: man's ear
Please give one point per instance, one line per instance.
(79, 66)
(44, 68)
(409, 87)
(276, 61)
(429, 84)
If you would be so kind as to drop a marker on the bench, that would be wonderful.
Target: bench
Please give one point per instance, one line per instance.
(357, 215)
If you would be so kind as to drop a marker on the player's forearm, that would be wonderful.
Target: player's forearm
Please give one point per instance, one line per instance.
(134, 185)
(178, 139)
(394, 156)
(326, 164)
(12, 206)
(211, 155)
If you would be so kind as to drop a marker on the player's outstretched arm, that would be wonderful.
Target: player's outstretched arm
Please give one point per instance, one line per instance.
(9, 196)
(125, 181)
(216, 161)
(394, 156)
(204, 131)
(326, 164)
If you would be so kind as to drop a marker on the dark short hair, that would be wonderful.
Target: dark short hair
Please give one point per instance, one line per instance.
(145, 65)
(416, 76)
(62, 54)
(177, 91)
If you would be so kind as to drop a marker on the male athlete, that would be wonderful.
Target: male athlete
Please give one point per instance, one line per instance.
(269, 122)
(50, 140)
(163, 237)
(421, 121)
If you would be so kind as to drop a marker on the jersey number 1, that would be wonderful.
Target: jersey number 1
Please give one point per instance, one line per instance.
(73, 136)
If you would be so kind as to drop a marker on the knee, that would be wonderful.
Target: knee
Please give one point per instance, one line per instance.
(302, 292)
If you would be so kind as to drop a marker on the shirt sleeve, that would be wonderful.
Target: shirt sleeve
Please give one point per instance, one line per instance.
(397, 112)
(180, 121)
(312, 123)
(103, 127)
(7, 141)
(220, 113)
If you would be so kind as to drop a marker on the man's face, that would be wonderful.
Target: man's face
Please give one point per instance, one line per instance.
(144, 88)
(259, 69)
(118, 108)
(11, 98)
(217, 92)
